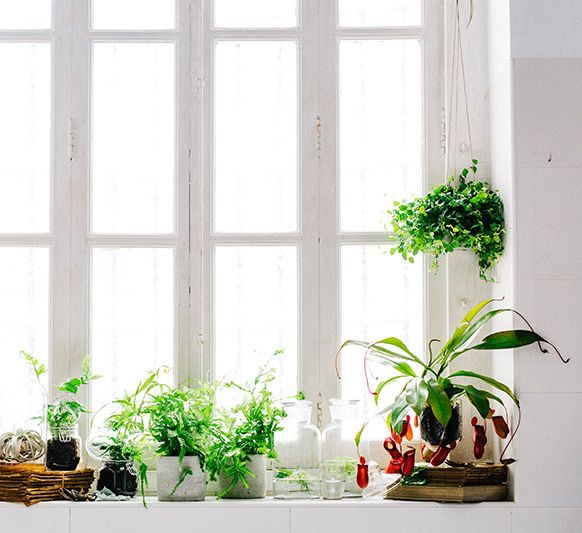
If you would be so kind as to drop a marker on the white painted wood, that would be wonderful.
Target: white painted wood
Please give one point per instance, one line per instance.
(15, 517)
(440, 518)
(548, 520)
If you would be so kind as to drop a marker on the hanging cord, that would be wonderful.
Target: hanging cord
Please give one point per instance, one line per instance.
(457, 71)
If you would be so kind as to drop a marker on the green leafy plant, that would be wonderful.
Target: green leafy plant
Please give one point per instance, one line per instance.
(245, 430)
(426, 381)
(303, 480)
(464, 215)
(181, 421)
(127, 437)
(64, 411)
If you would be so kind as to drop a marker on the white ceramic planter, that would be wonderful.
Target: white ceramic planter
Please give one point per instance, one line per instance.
(257, 464)
(192, 489)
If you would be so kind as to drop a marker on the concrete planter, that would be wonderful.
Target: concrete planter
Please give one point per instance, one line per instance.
(257, 464)
(192, 489)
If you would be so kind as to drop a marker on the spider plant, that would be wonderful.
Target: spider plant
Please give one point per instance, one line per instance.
(428, 383)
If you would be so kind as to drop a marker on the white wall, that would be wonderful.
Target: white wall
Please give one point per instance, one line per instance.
(546, 67)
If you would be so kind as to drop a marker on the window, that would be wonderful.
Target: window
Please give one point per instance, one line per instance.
(199, 184)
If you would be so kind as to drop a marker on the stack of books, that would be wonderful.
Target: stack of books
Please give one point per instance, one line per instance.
(31, 483)
(478, 483)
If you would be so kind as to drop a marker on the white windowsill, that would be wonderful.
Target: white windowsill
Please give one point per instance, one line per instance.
(269, 502)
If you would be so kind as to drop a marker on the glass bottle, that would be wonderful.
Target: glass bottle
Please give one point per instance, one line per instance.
(298, 444)
(338, 441)
(63, 448)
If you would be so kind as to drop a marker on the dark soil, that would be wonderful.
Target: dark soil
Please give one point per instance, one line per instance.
(432, 431)
(63, 455)
(118, 479)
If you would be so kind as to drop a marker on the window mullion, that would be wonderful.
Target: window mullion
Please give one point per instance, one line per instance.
(328, 203)
(309, 274)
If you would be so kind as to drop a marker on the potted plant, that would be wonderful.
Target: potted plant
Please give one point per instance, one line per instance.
(431, 394)
(122, 442)
(181, 423)
(63, 447)
(467, 214)
(246, 439)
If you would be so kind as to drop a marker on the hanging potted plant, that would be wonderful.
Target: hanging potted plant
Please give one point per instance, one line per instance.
(246, 439)
(466, 214)
(430, 394)
(181, 422)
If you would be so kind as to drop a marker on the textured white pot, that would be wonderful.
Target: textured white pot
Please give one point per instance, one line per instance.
(192, 489)
(257, 464)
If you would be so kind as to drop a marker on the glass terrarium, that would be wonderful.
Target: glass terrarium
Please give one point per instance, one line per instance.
(338, 441)
(295, 484)
(118, 473)
(298, 444)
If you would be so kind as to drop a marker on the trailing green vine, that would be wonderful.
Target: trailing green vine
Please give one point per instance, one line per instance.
(465, 215)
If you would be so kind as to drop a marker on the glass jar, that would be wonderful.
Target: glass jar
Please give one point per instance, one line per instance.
(120, 477)
(338, 441)
(63, 448)
(298, 444)
(295, 484)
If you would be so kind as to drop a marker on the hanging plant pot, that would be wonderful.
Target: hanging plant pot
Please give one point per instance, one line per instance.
(257, 486)
(466, 214)
(434, 435)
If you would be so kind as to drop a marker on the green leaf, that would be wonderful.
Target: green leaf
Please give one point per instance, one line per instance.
(478, 399)
(383, 384)
(477, 309)
(399, 410)
(502, 340)
(184, 473)
(71, 385)
(439, 403)
(86, 366)
(490, 381)
(417, 395)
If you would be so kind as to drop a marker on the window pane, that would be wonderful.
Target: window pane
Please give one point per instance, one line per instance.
(380, 129)
(134, 14)
(25, 14)
(132, 317)
(24, 325)
(375, 13)
(25, 137)
(255, 13)
(133, 151)
(256, 312)
(381, 296)
(256, 137)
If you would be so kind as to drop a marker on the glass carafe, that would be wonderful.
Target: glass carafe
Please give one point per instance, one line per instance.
(298, 445)
(338, 440)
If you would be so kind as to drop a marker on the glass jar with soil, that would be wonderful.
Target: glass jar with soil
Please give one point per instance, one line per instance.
(63, 448)
(120, 477)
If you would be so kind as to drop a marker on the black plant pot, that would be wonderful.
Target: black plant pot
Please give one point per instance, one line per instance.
(434, 434)
(119, 477)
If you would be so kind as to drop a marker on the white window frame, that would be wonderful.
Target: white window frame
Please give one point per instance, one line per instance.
(318, 238)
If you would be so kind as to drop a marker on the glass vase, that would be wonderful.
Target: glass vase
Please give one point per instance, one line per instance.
(295, 484)
(298, 444)
(338, 441)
